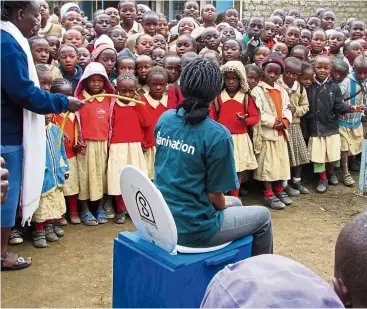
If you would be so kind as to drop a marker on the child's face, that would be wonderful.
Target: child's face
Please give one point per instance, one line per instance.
(40, 51)
(289, 20)
(45, 80)
(95, 84)
(291, 73)
(158, 55)
(157, 85)
(114, 16)
(159, 41)
(140, 13)
(305, 37)
(361, 71)
(231, 17)
(126, 66)
(255, 27)
(268, 32)
(145, 45)
(150, 24)
(357, 30)
(65, 89)
(281, 48)
(240, 28)
(278, 22)
(209, 13)
(300, 54)
(292, 36)
(231, 82)
(173, 68)
(212, 39)
(184, 45)
(73, 37)
(300, 23)
(313, 23)
(83, 57)
(54, 44)
(88, 35)
(328, 20)
(363, 44)
(336, 41)
(294, 13)
(318, 41)
(128, 12)
(231, 51)
(260, 54)
(108, 58)
(72, 19)
(354, 50)
(306, 77)
(228, 34)
(68, 59)
(191, 9)
(322, 67)
(102, 24)
(118, 37)
(338, 73)
(163, 26)
(126, 88)
(253, 79)
(48, 118)
(142, 68)
(186, 28)
(272, 71)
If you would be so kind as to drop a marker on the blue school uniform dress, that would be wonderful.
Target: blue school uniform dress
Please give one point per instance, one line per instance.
(192, 161)
(52, 204)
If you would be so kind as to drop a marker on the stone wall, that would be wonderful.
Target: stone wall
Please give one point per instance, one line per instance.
(343, 9)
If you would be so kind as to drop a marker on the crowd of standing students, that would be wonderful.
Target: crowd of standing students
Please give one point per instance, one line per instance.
(294, 92)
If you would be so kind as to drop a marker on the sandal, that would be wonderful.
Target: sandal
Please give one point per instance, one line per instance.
(88, 219)
(74, 218)
(101, 216)
(12, 261)
(348, 180)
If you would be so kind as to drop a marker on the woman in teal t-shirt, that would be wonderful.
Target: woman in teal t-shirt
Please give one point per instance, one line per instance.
(194, 165)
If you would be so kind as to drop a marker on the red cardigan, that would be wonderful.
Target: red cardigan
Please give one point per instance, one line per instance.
(175, 96)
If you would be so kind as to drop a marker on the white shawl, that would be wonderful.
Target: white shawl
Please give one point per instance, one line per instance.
(34, 139)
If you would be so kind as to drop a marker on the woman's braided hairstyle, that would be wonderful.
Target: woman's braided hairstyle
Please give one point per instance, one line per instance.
(57, 83)
(201, 82)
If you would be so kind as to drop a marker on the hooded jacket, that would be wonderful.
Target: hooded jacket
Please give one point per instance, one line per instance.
(326, 104)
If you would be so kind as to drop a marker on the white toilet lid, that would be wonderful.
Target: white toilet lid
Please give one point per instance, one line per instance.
(148, 209)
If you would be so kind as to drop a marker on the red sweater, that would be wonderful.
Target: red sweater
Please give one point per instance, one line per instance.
(173, 99)
(94, 118)
(228, 118)
(130, 124)
(69, 132)
(154, 113)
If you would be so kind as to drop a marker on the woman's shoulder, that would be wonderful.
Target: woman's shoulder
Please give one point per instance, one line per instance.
(9, 45)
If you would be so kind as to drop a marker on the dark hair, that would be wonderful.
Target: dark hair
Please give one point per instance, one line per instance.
(127, 1)
(58, 82)
(161, 15)
(42, 68)
(191, 39)
(298, 47)
(253, 68)
(220, 18)
(294, 61)
(318, 29)
(314, 17)
(126, 75)
(8, 8)
(201, 82)
(350, 259)
(340, 64)
(140, 37)
(157, 70)
(187, 58)
(239, 43)
(306, 66)
(67, 45)
(348, 45)
(360, 60)
(173, 56)
(34, 39)
(232, 8)
(261, 46)
(122, 58)
(149, 14)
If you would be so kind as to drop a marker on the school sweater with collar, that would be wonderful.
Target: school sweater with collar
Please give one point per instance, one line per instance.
(18, 92)
(326, 104)
(74, 80)
(298, 98)
(351, 88)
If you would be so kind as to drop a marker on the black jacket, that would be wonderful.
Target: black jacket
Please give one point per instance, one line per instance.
(326, 103)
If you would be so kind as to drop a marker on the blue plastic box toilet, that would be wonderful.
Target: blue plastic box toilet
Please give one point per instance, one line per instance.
(149, 269)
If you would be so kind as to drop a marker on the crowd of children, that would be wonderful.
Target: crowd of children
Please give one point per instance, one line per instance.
(294, 92)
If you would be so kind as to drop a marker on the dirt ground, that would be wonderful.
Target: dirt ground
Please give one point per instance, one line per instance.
(77, 270)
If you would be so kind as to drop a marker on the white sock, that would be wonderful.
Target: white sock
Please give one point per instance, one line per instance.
(296, 179)
(285, 183)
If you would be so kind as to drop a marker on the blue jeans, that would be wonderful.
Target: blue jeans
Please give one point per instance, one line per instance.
(240, 221)
(13, 163)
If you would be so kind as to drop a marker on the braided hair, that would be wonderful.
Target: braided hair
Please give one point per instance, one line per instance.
(42, 69)
(126, 75)
(201, 82)
(57, 83)
(157, 70)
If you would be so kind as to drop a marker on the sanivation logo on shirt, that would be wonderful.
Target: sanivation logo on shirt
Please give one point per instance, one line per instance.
(176, 145)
